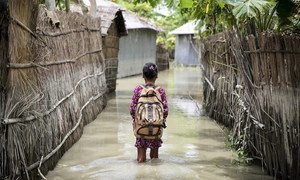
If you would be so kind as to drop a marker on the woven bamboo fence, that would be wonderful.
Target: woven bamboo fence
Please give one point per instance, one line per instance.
(111, 50)
(162, 57)
(52, 85)
(252, 85)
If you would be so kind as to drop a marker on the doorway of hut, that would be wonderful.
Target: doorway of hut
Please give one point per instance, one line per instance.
(193, 144)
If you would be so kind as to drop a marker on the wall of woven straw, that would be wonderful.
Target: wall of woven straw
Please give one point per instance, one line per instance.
(54, 84)
(252, 85)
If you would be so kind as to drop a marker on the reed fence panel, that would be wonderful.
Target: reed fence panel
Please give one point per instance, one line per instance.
(252, 85)
(55, 85)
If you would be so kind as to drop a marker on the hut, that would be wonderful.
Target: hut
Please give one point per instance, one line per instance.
(138, 47)
(112, 28)
(185, 45)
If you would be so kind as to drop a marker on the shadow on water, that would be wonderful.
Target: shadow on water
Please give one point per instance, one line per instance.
(193, 145)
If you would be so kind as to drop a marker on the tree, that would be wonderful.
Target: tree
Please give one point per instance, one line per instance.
(219, 15)
(288, 14)
(168, 23)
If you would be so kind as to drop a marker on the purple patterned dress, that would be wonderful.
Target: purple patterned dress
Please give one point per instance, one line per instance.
(148, 143)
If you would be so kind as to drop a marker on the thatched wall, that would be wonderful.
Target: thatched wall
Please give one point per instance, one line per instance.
(253, 86)
(55, 85)
(162, 57)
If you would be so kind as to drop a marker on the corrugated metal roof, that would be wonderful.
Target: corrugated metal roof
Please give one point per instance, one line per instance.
(107, 10)
(188, 28)
(133, 21)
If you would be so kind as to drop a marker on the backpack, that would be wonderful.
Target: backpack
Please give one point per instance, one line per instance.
(149, 114)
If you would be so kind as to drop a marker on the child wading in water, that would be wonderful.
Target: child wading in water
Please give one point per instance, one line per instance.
(150, 73)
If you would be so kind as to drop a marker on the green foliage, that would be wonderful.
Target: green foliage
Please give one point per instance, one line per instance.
(142, 9)
(286, 12)
(168, 41)
(169, 23)
(153, 3)
(248, 8)
(260, 11)
(219, 15)
(237, 146)
(180, 3)
(186, 4)
(216, 15)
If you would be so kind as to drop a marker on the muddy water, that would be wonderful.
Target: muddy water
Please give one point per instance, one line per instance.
(193, 145)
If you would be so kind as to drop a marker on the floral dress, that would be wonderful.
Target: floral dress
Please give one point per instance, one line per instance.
(148, 143)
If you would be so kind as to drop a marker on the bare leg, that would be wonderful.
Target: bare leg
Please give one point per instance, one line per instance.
(141, 155)
(154, 153)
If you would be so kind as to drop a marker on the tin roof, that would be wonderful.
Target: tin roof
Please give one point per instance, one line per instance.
(188, 28)
(133, 21)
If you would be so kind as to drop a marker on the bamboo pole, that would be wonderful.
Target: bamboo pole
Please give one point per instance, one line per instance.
(55, 34)
(272, 51)
(210, 84)
(31, 64)
(36, 164)
(30, 118)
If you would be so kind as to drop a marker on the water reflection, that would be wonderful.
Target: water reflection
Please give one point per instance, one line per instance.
(187, 106)
(193, 145)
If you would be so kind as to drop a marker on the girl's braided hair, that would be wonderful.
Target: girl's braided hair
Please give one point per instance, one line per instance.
(150, 70)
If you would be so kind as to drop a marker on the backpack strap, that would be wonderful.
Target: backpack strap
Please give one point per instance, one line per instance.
(156, 88)
(150, 95)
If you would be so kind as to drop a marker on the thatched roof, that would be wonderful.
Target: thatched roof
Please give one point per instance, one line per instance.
(188, 28)
(107, 9)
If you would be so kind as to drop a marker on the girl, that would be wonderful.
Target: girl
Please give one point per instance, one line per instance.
(150, 73)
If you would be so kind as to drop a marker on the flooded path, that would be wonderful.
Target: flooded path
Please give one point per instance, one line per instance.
(193, 145)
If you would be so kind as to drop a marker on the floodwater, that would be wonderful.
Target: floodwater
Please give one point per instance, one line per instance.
(193, 145)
